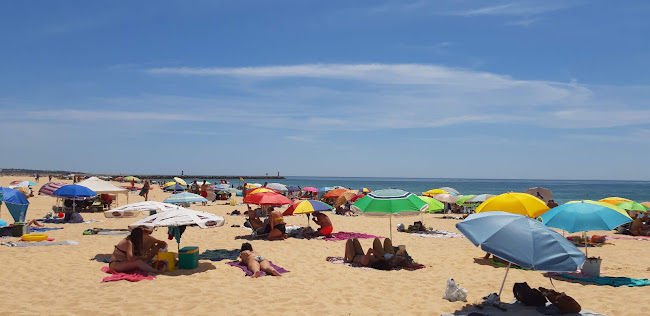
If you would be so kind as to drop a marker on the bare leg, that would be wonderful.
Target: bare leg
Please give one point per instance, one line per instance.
(357, 247)
(275, 234)
(349, 251)
(265, 265)
(254, 266)
(130, 266)
(388, 246)
(377, 247)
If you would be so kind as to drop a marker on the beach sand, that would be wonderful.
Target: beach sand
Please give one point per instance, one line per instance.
(63, 280)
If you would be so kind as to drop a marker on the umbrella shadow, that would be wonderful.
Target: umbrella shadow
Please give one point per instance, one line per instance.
(102, 257)
(203, 267)
(488, 262)
(558, 277)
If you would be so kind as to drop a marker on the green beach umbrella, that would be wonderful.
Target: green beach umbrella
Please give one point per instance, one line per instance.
(129, 178)
(632, 206)
(390, 202)
(464, 198)
(434, 205)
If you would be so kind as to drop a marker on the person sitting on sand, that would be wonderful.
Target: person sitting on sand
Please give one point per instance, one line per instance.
(637, 228)
(150, 245)
(325, 224)
(379, 257)
(128, 254)
(276, 220)
(255, 262)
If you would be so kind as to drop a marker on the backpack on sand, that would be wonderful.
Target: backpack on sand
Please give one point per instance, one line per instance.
(527, 295)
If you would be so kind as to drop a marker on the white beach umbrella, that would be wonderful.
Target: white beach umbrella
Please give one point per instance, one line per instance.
(278, 187)
(131, 210)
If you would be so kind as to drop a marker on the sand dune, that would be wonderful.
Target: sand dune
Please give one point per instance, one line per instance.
(63, 280)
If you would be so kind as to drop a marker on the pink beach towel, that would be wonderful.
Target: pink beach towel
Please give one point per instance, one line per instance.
(131, 277)
(239, 264)
(340, 260)
(349, 235)
(629, 237)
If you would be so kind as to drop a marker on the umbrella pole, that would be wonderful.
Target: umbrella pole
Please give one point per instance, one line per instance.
(586, 248)
(504, 279)
(307, 220)
(391, 227)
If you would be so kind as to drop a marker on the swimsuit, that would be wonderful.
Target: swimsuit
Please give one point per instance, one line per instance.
(281, 228)
(116, 260)
(327, 230)
(259, 258)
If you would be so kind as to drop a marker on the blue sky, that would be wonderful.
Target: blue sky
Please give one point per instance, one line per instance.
(474, 89)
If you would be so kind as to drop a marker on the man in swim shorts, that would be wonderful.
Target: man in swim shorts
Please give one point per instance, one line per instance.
(325, 224)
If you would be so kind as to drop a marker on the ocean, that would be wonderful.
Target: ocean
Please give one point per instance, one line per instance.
(563, 190)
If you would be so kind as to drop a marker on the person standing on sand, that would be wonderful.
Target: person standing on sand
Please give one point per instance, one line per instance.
(204, 191)
(50, 178)
(145, 190)
(255, 262)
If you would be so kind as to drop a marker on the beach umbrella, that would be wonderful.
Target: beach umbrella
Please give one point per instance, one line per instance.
(50, 187)
(325, 189)
(25, 183)
(646, 204)
(278, 187)
(218, 187)
(261, 190)
(179, 181)
(16, 203)
(129, 178)
(450, 190)
(335, 193)
(174, 187)
(521, 240)
(540, 193)
(74, 192)
(480, 198)
(517, 203)
(307, 207)
(365, 190)
(614, 200)
(185, 197)
(292, 188)
(433, 192)
(446, 197)
(169, 183)
(434, 205)
(180, 217)
(267, 198)
(229, 191)
(461, 200)
(390, 202)
(310, 189)
(252, 185)
(345, 197)
(131, 210)
(583, 216)
(632, 206)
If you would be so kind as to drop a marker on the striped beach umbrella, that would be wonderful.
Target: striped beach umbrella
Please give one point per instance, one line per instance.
(50, 187)
(185, 197)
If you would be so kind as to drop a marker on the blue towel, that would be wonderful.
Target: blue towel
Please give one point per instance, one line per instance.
(43, 229)
(611, 281)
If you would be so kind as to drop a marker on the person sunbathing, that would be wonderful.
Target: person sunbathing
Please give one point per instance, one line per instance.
(325, 224)
(382, 257)
(255, 262)
(637, 228)
(128, 254)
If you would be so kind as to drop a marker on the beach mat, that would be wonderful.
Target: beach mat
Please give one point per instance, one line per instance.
(340, 260)
(43, 229)
(220, 254)
(629, 237)
(242, 266)
(515, 308)
(349, 235)
(438, 234)
(38, 243)
(131, 277)
(611, 281)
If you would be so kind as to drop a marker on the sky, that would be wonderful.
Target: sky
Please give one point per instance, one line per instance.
(549, 89)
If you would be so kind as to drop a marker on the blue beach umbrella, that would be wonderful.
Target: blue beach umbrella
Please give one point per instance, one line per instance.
(185, 197)
(16, 203)
(521, 240)
(293, 188)
(74, 192)
(174, 187)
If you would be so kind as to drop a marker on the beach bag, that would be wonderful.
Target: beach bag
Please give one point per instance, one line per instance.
(598, 239)
(527, 295)
(565, 303)
(454, 292)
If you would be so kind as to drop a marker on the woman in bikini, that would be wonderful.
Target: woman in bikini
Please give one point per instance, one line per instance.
(278, 226)
(255, 262)
(128, 254)
(382, 257)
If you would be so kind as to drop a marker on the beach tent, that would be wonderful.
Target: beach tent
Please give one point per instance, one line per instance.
(16, 203)
(100, 186)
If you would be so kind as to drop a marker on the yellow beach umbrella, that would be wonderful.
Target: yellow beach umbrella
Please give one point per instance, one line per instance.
(261, 190)
(517, 203)
(434, 192)
(180, 181)
(169, 183)
(614, 200)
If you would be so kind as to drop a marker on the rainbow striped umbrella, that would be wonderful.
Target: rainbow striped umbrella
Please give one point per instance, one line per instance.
(307, 207)
(50, 187)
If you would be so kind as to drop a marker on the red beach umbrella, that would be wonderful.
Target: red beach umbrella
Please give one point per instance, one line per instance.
(333, 194)
(267, 198)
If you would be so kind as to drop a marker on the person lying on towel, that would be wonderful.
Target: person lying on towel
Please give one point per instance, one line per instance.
(255, 262)
(378, 257)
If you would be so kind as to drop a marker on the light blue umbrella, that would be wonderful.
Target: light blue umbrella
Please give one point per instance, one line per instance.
(16, 203)
(521, 240)
(185, 197)
(582, 216)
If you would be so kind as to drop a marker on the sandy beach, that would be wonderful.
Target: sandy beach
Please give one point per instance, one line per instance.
(63, 279)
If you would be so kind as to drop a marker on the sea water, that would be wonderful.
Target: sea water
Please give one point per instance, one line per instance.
(563, 190)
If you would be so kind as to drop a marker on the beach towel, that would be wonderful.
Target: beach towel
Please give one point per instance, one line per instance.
(60, 221)
(629, 237)
(92, 231)
(131, 277)
(516, 308)
(43, 229)
(38, 243)
(242, 266)
(438, 234)
(341, 260)
(611, 281)
(349, 235)
(220, 254)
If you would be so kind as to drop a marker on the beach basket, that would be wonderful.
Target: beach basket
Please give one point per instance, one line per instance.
(169, 258)
(188, 258)
(592, 267)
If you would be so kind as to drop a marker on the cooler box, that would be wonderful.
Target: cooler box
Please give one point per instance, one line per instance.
(169, 258)
(19, 229)
(188, 258)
